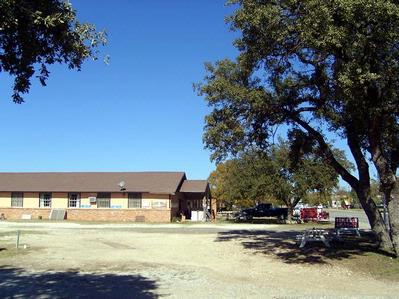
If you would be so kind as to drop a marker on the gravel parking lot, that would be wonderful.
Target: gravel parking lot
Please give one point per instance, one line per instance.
(70, 260)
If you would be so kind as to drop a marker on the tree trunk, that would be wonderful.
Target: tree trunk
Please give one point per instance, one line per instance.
(290, 212)
(393, 213)
(385, 242)
(290, 203)
(362, 184)
(376, 221)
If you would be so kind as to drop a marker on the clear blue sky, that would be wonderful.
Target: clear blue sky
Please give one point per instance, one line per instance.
(140, 112)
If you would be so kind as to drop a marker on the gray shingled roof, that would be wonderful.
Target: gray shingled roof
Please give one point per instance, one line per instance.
(154, 182)
(194, 186)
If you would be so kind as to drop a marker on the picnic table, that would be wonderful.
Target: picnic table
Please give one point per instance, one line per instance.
(343, 226)
(314, 235)
(347, 226)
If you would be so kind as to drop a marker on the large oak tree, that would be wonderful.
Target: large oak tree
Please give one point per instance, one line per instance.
(321, 67)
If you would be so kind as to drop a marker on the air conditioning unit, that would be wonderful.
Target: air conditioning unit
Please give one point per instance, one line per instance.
(92, 199)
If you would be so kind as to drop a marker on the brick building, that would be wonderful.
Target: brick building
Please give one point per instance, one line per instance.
(102, 196)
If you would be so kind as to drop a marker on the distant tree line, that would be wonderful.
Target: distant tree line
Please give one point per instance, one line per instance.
(284, 174)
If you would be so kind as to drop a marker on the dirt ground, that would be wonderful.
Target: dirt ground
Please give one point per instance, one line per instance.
(70, 260)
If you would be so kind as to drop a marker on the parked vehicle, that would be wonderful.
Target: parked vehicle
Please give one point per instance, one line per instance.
(314, 214)
(262, 210)
(297, 210)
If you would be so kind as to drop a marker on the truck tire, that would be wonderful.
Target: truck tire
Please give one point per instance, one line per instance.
(281, 219)
(248, 218)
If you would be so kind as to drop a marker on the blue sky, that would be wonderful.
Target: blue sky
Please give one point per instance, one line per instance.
(138, 113)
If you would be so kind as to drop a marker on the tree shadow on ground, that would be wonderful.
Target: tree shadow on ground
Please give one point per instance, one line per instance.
(18, 283)
(283, 245)
(272, 220)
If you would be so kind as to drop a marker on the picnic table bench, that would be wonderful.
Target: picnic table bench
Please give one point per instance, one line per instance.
(346, 226)
(343, 226)
(314, 235)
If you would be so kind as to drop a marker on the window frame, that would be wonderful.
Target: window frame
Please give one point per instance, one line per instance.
(77, 200)
(20, 198)
(43, 200)
(103, 196)
(133, 197)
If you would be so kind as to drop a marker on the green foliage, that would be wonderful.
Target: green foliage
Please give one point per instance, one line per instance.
(272, 176)
(305, 62)
(315, 66)
(38, 33)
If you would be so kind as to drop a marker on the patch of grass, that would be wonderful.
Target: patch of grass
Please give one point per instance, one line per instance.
(10, 252)
(8, 239)
(374, 264)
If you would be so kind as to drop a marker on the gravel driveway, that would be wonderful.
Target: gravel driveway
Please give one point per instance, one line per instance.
(68, 260)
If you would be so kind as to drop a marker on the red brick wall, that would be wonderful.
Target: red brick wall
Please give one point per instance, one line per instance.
(124, 215)
(16, 213)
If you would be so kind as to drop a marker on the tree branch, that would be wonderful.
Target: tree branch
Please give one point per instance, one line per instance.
(305, 109)
(361, 163)
(329, 155)
(385, 170)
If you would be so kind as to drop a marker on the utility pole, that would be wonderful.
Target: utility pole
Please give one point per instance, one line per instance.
(17, 240)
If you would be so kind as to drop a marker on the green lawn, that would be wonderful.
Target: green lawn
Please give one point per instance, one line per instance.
(377, 265)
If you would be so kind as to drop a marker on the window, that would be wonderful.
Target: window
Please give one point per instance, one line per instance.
(134, 200)
(103, 200)
(17, 199)
(45, 200)
(74, 200)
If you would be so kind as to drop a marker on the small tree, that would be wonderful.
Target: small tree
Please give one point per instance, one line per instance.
(38, 33)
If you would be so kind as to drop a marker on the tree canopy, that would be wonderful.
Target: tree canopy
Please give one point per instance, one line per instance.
(274, 176)
(38, 33)
(320, 68)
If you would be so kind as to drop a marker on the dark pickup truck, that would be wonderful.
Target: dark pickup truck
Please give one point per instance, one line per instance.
(262, 210)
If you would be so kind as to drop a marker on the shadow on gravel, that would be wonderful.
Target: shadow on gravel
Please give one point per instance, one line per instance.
(272, 220)
(17, 283)
(283, 245)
